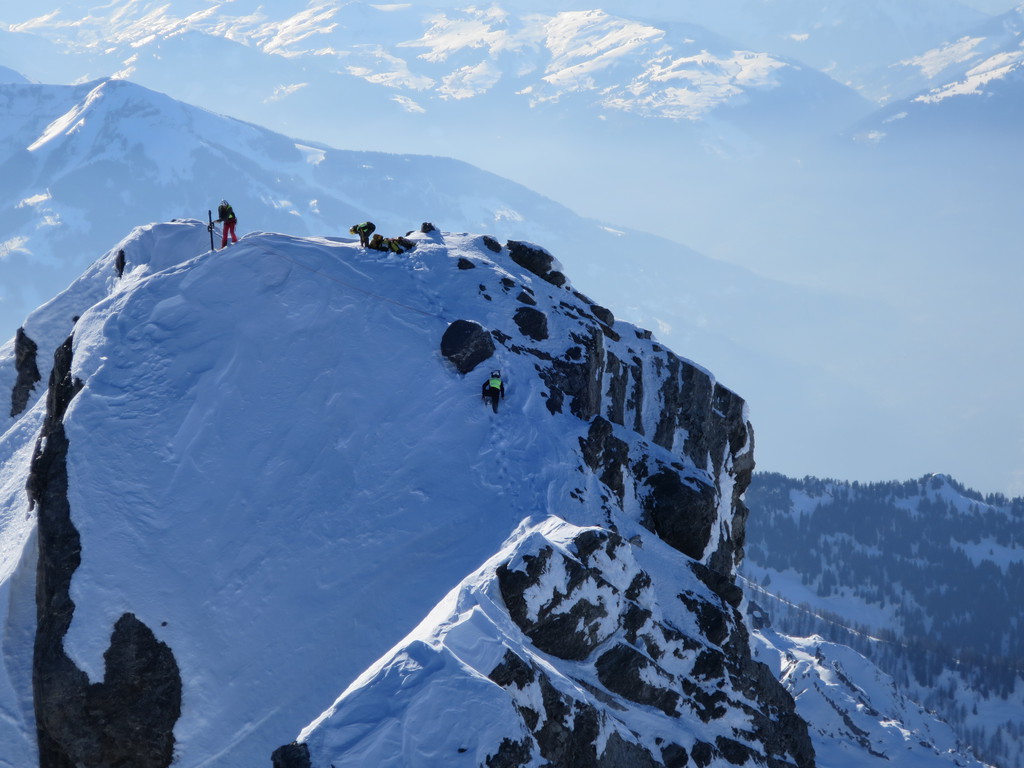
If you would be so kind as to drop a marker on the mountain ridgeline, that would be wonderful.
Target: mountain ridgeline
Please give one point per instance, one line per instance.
(229, 474)
(924, 577)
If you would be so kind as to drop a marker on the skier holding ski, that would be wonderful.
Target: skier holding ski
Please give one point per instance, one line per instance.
(226, 214)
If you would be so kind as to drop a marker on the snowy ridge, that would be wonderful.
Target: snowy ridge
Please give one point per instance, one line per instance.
(973, 80)
(232, 414)
(487, 673)
(857, 714)
(896, 571)
(274, 475)
(454, 54)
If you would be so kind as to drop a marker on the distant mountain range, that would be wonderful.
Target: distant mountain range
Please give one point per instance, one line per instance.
(924, 577)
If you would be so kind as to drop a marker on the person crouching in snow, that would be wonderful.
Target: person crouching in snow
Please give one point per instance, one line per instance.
(364, 231)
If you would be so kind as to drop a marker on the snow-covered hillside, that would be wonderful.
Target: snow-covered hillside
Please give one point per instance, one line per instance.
(260, 468)
(110, 151)
(858, 714)
(922, 576)
(970, 86)
(271, 467)
(594, 109)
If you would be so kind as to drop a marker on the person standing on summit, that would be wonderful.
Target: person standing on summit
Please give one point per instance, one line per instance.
(226, 214)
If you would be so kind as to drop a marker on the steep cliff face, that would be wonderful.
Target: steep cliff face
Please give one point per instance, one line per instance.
(261, 467)
(689, 454)
(128, 718)
(27, 372)
(571, 647)
(589, 658)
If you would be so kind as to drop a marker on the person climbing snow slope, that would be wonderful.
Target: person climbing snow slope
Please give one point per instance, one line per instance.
(494, 389)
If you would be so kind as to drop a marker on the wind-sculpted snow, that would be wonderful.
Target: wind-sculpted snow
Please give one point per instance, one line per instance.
(274, 470)
(568, 647)
(857, 715)
(272, 461)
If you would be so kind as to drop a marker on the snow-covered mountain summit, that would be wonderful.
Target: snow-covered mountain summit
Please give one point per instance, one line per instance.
(255, 471)
(970, 87)
(80, 163)
(261, 467)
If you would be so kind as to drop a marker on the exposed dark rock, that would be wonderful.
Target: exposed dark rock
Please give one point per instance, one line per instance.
(674, 756)
(708, 704)
(602, 314)
(581, 381)
(633, 620)
(703, 753)
(426, 228)
(710, 665)
(683, 513)
(713, 623)
(607, 455)
(565, 625)
(512, 671)
(134, 709)
(532, 322)
(618, 376)
(466, 344)
(591, 541)
(776, 722)
(631, 654)
(640, 582)
(537, 260)
(619, 753)
(722, 584)
(294, 755)
(508, 284)
(119, 262)
(25, 351)
(128, 719)
(492, 244)
(733, 751)
(570, 729)
(623, 670)
(464, 263)
(527, 298)
(510, 754)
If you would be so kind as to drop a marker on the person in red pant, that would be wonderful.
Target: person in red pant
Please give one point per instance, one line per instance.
(226, 214)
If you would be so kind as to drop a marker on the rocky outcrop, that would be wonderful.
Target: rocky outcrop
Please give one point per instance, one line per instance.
(28, 372)
(466, 344)
(532, 322)
(128, 718)
(537, 260)
(611, 384)
(588, 603)
(602, 667)
(294, 755)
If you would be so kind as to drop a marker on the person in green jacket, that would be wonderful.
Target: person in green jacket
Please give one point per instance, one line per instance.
(364, 231)
(494, 389)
